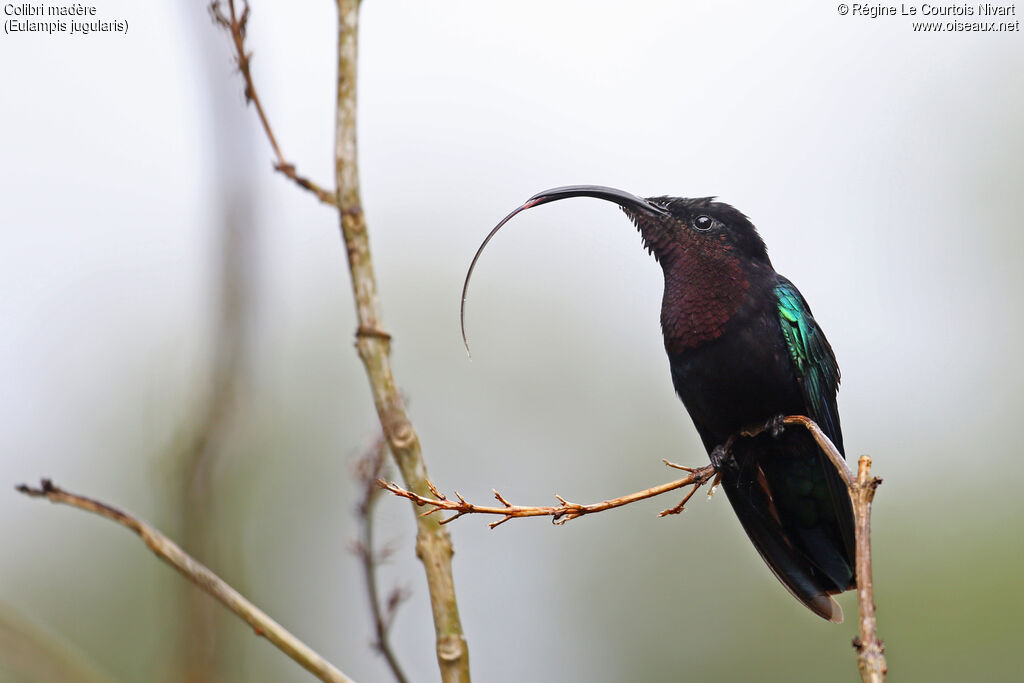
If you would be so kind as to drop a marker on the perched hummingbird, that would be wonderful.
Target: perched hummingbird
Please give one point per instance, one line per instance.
(744, 349)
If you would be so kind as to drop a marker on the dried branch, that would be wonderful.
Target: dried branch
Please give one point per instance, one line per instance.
(171, 553)
(433, 544)
(235, 24)
(870, 649)
(561, 513)
(368, 469)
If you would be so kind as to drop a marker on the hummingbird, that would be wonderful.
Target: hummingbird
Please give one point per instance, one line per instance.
(744, 350)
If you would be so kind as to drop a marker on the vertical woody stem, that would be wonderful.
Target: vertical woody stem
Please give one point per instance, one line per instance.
(870, 650)
(433, 544)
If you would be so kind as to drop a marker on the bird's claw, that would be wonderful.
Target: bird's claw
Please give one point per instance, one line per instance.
(776, 426)
(722, 458)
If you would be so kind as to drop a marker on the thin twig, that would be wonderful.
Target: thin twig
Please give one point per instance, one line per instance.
(368, 469)
(235, 23)
(433, 544)
(561, 513)
(171, 553)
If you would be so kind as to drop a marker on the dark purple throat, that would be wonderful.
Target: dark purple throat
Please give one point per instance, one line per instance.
(705, 286)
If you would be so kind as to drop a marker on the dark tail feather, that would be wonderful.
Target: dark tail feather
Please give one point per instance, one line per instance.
(841, 504)
(811, 562)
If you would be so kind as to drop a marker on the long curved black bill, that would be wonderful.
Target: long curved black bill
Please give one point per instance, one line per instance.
(611, 194)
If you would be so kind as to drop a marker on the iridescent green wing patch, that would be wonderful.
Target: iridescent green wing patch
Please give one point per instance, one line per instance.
(812, 357)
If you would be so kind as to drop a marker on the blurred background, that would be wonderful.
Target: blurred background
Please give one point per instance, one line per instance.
(176, 332)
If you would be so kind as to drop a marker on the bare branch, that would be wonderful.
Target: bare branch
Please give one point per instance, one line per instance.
(870, 648)
(561, 513)
(171, 553)
(433, 544)
(235, 24)
(368, 469)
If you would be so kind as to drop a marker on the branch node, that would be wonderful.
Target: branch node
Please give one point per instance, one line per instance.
(370, 332)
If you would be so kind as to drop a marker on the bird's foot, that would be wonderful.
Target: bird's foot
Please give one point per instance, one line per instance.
(776, 426)
(722, 458)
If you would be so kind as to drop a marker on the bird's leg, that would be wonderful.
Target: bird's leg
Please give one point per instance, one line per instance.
(774, 427)
(722, 457)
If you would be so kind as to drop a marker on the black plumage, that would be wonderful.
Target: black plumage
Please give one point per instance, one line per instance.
(743, 349)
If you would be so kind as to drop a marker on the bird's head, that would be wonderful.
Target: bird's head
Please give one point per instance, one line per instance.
(702, 228)
(692, 232)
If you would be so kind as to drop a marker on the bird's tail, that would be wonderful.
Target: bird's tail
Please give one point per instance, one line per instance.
(795, 509)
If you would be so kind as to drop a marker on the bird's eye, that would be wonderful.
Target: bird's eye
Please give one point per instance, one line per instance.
(703, 223)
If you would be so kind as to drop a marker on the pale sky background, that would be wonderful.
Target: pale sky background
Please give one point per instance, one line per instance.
(882, 167)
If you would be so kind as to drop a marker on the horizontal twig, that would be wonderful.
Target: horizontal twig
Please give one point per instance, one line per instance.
(561, 513)
(171, 553)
